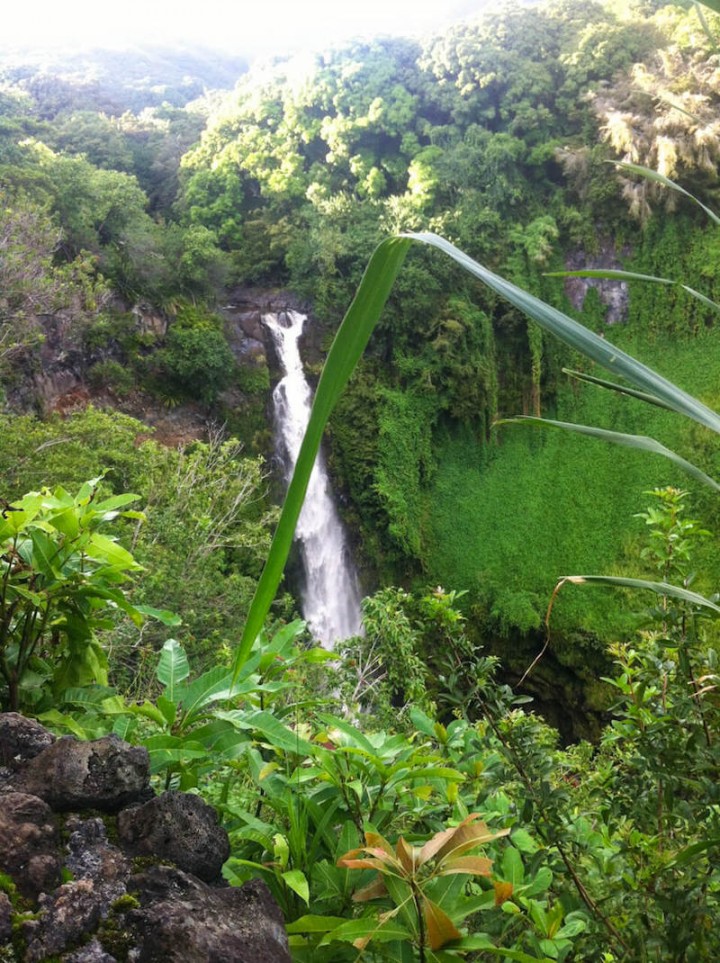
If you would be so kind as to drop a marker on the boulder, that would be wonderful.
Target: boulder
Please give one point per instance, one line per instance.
(21, 739)
(29, 843)
(186, 921)
(177, 827)
(106, 910)
(104, 774)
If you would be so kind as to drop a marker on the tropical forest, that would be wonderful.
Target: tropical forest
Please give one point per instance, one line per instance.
(471, 711)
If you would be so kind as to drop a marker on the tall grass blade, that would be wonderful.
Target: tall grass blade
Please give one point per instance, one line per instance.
(346, 351)
(582, 340)
(705, 25)
(710, 4)
(659, 588)
(652, 175)
(621, 389)
(632, 276)
(639, 442)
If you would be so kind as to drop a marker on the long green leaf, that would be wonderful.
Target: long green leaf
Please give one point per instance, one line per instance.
(348, 346)
(652, 175)
(711, 4)
(639, 442)
(621, 389)
(612, 275)
(346, 351)
(660, 588)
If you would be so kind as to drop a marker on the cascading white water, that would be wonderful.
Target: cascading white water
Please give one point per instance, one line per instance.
(330, 596)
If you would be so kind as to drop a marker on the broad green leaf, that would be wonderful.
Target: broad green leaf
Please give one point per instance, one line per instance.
(66, 722)
(115, 501)
(659, 588)
(168, 709)
(639, 442)
(150, 711)
(296, 880)
(105, 550)
(166, 749)
(45, 554)
(367, 929)
(172, 668)
(215, 685)
(271, 730)
(522, 840)
(171, 619)
(66, 522)
(512, 867)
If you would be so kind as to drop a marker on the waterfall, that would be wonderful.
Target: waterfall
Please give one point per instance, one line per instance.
(330, 595)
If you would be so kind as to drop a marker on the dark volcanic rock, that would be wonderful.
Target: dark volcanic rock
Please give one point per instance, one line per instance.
(177, 827)
(92, 856)
(29, 843)
(65, 917)
(6, 911)
(21, 739)
(188, 922)
(104, 914)
(104, 774)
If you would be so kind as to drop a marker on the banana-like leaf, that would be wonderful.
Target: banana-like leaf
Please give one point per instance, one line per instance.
(652, 175)
(660, 588)
(640, 442)
(609, 275)
(621, 389)
(348, 346)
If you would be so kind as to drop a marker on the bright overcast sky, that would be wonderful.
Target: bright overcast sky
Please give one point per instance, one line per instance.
(262, 26)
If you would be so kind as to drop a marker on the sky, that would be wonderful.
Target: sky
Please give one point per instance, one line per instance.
(252, 27)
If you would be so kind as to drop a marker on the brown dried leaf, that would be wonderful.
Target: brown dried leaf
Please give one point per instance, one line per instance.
(374, 890)
(503, 891)
(438, 925)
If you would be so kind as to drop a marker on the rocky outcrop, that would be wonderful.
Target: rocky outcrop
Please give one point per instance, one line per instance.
(104, 871)
(613, 294)
(243, 311)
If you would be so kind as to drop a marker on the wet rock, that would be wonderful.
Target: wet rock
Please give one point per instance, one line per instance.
(105, 774)
(185, 921)
(29, 843)
(21, 739)
(177, 827)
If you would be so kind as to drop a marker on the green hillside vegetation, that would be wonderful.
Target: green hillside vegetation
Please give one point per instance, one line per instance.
(400, 799)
